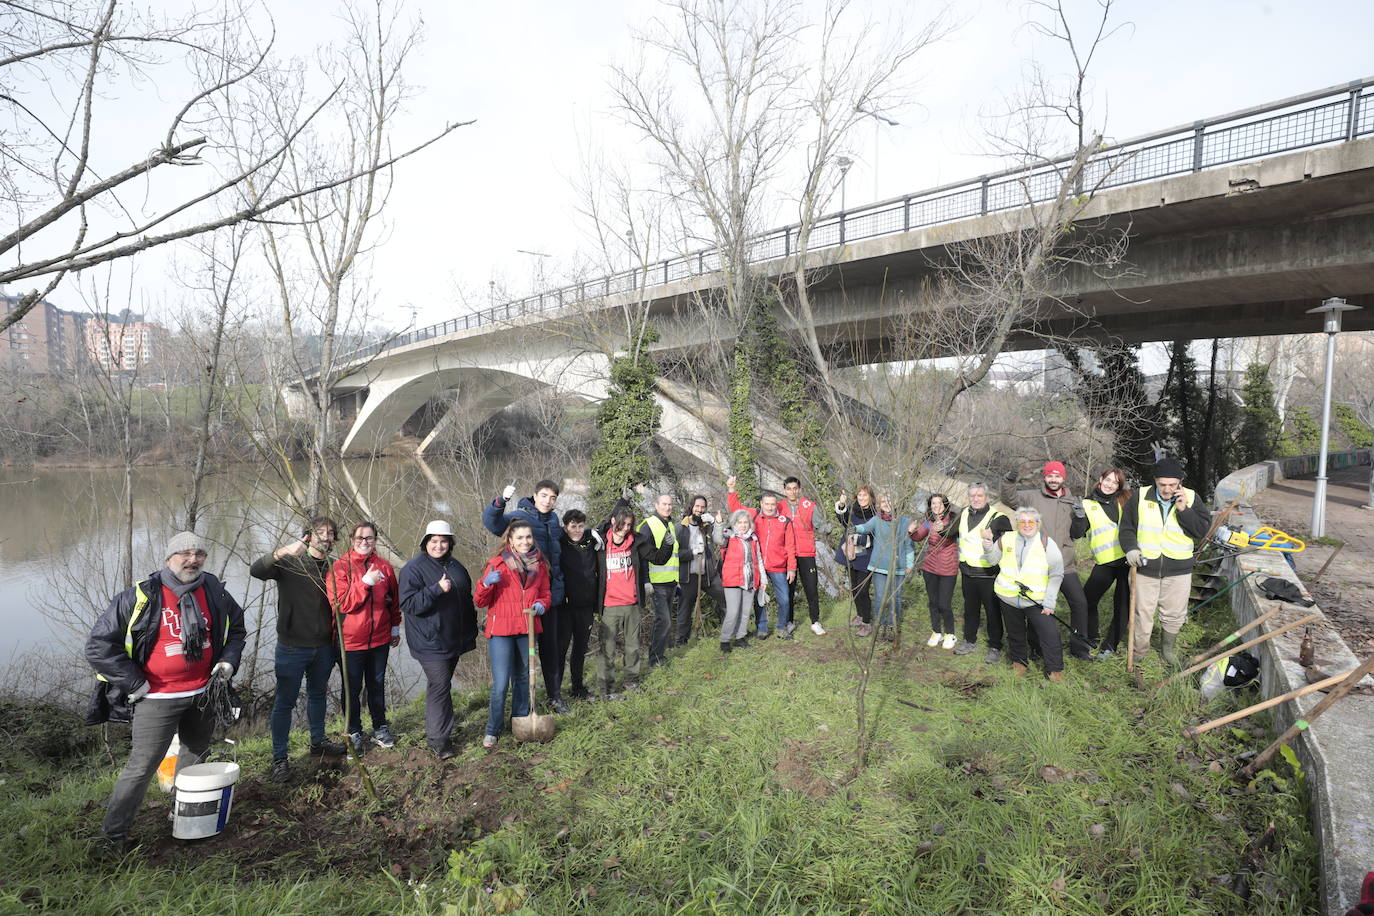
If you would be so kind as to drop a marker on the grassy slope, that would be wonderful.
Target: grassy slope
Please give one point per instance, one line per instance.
(726, 787)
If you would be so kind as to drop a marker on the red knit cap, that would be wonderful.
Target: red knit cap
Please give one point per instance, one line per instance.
(1054, 467)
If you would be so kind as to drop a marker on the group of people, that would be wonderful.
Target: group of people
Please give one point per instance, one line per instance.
(160, 645)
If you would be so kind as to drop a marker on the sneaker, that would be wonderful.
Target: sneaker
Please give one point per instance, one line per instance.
(856, 621)
(359, 746)
(817, 628)
(1105, 654)
(632, 687)
(580, 693)
(993, 657)
(725, 648)
(447, 752)
(864, 630)
(742, 643)
(281, 770)
(382, 737)
(965, 648)
(328, 749)
(784, 634)
(761, 635)
(612, 697)
(559, 706)
(790, 628)
(488, 741)
(113, 848)
(934, 640)
(949, 641)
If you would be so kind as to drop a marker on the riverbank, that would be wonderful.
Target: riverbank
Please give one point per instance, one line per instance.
(727, 785)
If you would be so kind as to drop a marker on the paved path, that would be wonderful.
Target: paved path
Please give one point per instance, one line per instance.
(1346, 591)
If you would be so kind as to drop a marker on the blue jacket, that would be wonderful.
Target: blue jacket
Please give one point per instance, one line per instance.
(438, 624)
(890, 541)
(548, 531)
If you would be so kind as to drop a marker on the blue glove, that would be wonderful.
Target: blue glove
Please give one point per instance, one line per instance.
(538, 608)
(492, 577)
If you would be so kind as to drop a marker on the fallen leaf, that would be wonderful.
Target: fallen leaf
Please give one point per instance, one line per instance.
(1178, 789)
(1052, 774)
(709, 677)
(1058, 885)
(1097, 830)
(611, 862)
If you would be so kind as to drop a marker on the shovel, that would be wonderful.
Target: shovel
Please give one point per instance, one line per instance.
(533, 727)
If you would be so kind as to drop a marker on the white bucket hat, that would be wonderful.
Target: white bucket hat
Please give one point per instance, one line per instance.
(439, 526)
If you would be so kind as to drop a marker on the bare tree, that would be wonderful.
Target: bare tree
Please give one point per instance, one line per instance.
(1354, 385)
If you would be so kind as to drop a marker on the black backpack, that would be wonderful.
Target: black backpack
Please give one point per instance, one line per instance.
(1242, 670)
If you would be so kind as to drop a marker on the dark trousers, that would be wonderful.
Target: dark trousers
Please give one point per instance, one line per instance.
(687, 607)
(366, 668)
(548, 641)
(438, 699)
(1020, 622)
(940, 595)
(155, 722)
(663, 621)
(575, 632)
(861, 587)
(981, 601)
(806, 578)
(1071, 590)
(293, 665)
(1099, 580)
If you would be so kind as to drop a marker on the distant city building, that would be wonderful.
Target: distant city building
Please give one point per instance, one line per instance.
(53, 341)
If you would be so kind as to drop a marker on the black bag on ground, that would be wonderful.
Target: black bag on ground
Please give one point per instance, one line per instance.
(1277, 589)
(1242, 670)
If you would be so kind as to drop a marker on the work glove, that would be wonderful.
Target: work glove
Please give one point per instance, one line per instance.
(222, 670)
(1134, 558)
(538, 608)
(1078, 511)
(372, 577)
(139, 693)
(507, 493)
(708, 519)
(492, 577)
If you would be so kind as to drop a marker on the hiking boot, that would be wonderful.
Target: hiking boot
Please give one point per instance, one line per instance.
(934, 640)
(281, 770)
(113, 848)
(1105, 654)
(865, 629)
(632, 687)
(965, 647)
(856, 621)
(382, 736)
(785, 634)
(447, 752)
(580, 693)
(1018, 669)
(611, 696)
(725, 648)
(1167, 644)
(949, 641)
(559, 706)
(993, 657)
(817, 628)
(790, 628)
(742, 643)
(359, 746)
(761, 635)
(1057, 676)
(328, 749)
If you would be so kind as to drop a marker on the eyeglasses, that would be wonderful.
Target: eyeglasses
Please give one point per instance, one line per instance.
(366, 539)
(1027, 522)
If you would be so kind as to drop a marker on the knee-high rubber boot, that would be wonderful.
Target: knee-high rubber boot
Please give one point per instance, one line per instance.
(1167, 643)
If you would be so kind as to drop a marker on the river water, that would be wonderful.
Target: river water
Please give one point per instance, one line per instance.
(61, 530)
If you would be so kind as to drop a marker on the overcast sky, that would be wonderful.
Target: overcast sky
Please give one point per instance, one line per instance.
(534, 76)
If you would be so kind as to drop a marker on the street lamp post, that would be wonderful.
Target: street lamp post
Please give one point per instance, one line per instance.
(878, 121)
(844, 162)
(1330, 310)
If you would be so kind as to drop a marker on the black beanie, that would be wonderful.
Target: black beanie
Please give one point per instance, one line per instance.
(1168, 467)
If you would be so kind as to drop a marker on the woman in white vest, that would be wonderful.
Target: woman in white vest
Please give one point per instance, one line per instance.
(1103, 507)
(1030, 570)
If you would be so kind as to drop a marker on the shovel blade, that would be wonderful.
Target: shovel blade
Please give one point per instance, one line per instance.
(533, 727)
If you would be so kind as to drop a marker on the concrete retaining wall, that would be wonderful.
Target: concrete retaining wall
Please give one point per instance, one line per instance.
(1336, 752)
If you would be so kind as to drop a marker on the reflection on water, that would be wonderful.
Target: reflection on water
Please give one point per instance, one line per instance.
(61, 531)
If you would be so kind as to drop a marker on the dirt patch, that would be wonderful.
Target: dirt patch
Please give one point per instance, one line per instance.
(969, 688)
(1345, 591)
(325, 817)
(798, 766)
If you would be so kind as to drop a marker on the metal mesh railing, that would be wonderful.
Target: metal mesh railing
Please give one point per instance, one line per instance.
(1332, 115)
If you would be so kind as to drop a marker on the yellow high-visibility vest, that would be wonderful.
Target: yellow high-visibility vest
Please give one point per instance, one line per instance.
(1103, 533)
(661, 572)
(971, 540)
(1033, 572)
(1158, 533)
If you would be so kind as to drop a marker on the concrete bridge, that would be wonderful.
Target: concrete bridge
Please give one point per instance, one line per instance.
(1237, 226)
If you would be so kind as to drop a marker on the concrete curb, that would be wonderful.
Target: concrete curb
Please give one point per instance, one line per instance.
(1336, 750)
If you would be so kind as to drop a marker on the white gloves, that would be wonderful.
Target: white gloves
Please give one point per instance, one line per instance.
(222, 670)
(1134, 558)
(508, 492)
(139, 693)
(372, 577)
(708, 519)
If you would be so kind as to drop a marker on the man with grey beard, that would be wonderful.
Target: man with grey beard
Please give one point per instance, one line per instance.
(157, 647)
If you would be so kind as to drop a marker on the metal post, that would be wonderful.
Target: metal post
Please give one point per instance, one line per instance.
(1197, 146)
(1330, 310)
(983, 207)
(1352, 124)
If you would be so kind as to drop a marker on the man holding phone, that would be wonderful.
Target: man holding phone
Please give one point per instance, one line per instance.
(305, 644)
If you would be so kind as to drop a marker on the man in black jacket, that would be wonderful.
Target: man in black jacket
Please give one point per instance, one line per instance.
(625, 563)
(582, 562)
(150, 647)
(441, 624)
(305, 646)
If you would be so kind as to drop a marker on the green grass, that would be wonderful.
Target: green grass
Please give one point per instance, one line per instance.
(728, 786)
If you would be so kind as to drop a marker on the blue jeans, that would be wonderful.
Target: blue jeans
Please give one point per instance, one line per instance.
(507, 655)
(778, 583)
(293, 664)
(890, 607)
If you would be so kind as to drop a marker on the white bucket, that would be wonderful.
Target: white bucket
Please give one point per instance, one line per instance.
(205, 793)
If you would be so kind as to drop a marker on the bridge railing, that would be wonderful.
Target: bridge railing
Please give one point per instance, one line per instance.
(1332, 115)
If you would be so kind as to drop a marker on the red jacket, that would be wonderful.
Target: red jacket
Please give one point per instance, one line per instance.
(732, 561)
(774, 532)
(942, 551)
(803, 524)
(368, 614)
(507, 600)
